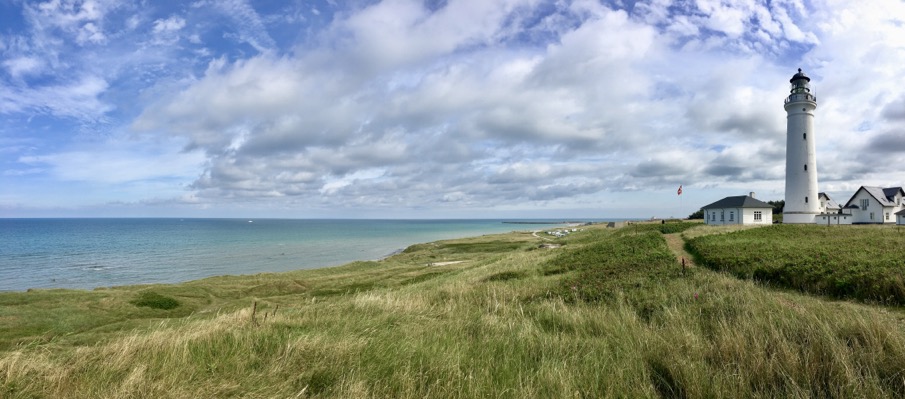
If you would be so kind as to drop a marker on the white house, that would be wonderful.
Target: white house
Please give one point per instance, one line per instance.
(827, 204)
(742, 209)
(876, 204)
(831, 212)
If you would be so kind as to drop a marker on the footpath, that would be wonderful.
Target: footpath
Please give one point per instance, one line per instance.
(677, 245)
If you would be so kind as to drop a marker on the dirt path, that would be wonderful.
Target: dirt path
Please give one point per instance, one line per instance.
(677, 246)
(534, 233)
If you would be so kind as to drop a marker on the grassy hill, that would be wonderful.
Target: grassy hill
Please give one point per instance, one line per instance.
(609, 313)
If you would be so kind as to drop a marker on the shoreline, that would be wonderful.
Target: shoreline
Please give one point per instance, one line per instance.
(118, 265)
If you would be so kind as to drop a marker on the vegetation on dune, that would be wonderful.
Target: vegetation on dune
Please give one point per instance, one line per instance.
(856, 262)
(154, 300)
(609, 313)
(634, 259)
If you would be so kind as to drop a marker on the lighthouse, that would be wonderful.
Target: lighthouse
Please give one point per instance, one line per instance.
(802, 204)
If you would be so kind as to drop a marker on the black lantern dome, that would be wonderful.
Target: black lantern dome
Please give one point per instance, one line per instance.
(799, 75)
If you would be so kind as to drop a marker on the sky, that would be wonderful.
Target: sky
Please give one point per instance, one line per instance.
(436, 109)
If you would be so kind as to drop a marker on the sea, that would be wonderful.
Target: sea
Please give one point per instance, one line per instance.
(89, 253)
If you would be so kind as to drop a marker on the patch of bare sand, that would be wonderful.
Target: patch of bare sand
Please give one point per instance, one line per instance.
(445, 263)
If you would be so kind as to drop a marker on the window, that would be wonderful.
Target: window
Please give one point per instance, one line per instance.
(805, 167)
(731, 216)
(722, 215)
(758, 216)
(805, 136)
(805, 200)
(713, 216)
(864, 203)
(887, 215)
(871, 216)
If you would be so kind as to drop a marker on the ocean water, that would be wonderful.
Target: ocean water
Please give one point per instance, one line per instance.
(89, 253)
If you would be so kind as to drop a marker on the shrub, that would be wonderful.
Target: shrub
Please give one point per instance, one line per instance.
(151, 299)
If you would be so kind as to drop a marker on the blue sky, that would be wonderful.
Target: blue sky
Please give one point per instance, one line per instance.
(435, 109)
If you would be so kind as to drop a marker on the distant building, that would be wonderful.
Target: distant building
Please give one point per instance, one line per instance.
(827, 204)
(831, 212)
(742, 209)
(876, 205)
(834, 218)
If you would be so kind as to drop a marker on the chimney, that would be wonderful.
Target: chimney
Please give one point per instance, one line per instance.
(751, 194)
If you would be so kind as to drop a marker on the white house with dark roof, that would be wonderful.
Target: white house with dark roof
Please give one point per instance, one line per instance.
(876, 204)
(742, 209)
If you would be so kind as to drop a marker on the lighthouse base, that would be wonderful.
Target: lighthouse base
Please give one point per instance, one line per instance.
(799, 218)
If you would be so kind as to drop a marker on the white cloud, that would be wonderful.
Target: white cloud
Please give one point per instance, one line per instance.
(264, 120)
(246, 21)
(82, 19)
(77, 99)
(90, 33)
(171, 24)
(23, 66)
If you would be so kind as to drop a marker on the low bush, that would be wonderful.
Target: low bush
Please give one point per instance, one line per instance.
(151, 299)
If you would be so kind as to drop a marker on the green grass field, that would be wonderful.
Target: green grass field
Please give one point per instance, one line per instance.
(851, 262)
(609, 313)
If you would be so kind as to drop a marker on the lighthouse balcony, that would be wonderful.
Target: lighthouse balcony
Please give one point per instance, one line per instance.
(794, 98)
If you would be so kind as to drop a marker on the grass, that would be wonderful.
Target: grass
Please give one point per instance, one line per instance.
(504, 322)
(856, 262)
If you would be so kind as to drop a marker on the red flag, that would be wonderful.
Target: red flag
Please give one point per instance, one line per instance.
(680, 190)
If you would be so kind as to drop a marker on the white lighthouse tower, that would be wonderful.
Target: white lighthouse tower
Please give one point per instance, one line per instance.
(802, 205)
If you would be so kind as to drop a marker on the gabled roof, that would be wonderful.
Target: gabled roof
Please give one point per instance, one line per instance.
(885, 196)
(740, 201)
(830, 203)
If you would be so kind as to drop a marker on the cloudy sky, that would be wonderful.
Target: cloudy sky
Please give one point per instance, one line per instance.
(438, 108)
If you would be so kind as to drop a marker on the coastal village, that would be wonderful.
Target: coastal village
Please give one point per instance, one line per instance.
(803, 203)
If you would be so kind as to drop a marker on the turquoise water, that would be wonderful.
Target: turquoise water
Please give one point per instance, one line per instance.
(89, 253)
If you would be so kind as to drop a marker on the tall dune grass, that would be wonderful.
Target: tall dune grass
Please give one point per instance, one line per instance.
(502, 323)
